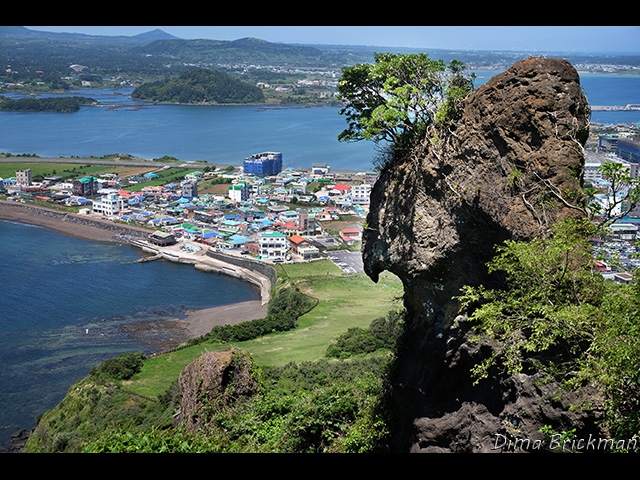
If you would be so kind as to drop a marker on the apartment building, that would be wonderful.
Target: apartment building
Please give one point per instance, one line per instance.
(274, 245)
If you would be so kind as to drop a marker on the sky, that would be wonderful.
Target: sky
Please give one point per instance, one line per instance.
(566, 39)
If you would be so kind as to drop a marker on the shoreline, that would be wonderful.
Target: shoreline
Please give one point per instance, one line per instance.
(197, 322)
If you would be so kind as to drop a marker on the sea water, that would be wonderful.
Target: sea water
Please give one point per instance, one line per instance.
(67, 304)
(227, 134)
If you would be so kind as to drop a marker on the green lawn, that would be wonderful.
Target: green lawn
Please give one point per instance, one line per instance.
(345, 301)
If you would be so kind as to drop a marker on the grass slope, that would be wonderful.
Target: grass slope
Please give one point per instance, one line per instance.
(345, 301)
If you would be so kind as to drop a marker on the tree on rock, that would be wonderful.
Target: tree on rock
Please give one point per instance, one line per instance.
(395, 99)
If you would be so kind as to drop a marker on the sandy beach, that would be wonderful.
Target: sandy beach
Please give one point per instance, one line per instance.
(195, 324)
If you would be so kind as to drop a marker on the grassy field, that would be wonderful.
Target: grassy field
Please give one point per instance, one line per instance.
(69, 170)
(345, 301)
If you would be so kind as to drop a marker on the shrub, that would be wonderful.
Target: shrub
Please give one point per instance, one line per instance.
(121, 367)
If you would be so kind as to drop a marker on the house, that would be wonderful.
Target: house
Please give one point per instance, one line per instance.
(162, 239)
(350, 235)
(23, 177)
(239, 192)
(108, 205)
(360, 194)
(85, 186)
(320, 168)
(274, 245)
(303, 247)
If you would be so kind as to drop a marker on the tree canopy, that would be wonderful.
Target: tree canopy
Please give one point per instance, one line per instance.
(200, 86)
(398, 96)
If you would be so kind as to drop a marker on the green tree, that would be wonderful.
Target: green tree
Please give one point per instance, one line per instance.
(558, 316)
(395, 99)
(622, 194)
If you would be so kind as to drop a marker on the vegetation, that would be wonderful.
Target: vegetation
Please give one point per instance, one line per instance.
(49, 104)
(199, 86)
(282, 315)
(558, 316)
(396, 99)
(383, 332)
(122, 367)
(306, 402)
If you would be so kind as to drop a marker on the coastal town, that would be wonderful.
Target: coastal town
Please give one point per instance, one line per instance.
(260, 211)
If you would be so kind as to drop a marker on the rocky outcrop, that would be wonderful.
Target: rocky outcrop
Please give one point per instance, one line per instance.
(212, 382)
(509, 169)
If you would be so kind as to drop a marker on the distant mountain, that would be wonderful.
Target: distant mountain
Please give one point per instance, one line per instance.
(150, 36)
(15, 31)
(244, 50)
(156, 34)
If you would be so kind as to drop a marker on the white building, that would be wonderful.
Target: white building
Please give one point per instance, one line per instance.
(108, 205)
(23, 178)
(360, 194)
(239, 192)
(274, 245)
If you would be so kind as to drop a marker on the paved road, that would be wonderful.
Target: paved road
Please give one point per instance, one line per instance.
(349, 262)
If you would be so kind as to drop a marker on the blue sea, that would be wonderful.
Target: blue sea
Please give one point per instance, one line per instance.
(66, 304)
(229, 134)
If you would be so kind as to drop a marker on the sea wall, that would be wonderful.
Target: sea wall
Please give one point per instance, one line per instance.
(55, 218)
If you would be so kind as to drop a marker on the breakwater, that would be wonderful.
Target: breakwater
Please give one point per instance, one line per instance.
(257, 273)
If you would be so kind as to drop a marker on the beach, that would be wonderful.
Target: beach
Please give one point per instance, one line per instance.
(196, 322)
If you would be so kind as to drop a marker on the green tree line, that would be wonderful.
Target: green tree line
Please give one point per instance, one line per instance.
(48, 104)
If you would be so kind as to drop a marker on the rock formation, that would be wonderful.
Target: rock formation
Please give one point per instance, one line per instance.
(213, 381)
(511, 167)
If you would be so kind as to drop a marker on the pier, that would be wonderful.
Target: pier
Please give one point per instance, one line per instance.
(616, 108)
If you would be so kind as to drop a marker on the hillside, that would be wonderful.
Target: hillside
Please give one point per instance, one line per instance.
(199, 86)
(281, 392)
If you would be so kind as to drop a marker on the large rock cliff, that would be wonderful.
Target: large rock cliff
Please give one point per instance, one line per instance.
(510, 168)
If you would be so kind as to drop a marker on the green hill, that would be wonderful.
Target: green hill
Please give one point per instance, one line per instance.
(200, 86)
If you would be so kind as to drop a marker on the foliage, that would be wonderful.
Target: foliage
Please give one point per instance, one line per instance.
(121, 367)
(286, 305)
(199, 86)
(395, 99)
(558, 316)
(382, 333)
(154, 441)
(622, 194)
(49, 104)
(322, 406)
(93, 407)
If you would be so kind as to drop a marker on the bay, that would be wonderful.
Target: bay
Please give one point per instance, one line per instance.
(226, 134)
(67, 304)
(219, 134)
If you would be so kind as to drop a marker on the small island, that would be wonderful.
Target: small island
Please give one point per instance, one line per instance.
(200, 86)
(48, 104)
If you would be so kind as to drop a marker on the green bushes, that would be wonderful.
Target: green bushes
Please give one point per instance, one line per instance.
(382, 333)
(283, 311)
(121, 367)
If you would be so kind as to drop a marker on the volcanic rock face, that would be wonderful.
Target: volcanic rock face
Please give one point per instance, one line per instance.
(210, 383)
(510, 168)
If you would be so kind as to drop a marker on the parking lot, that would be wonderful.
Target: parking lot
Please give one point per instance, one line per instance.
(349, 262)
